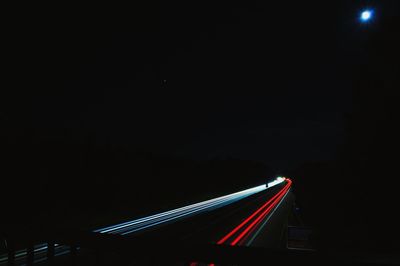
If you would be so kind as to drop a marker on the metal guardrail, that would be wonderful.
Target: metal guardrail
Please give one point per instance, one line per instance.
(128, 249)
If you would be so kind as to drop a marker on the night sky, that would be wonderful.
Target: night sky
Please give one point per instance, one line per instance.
(284, 83)
(261, 81)
(247, 80)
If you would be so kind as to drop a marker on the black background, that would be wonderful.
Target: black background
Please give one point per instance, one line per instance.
(105, 106)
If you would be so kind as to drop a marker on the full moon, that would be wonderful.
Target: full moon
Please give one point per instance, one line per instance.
(366, 15)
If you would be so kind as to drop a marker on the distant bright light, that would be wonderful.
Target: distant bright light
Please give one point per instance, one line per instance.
(366, 15)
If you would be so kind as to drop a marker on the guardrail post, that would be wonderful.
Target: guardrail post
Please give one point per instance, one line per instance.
(50, 251)
(11, 252)
(98, 257)
(30, 253)
(73, 251)
(284, 236)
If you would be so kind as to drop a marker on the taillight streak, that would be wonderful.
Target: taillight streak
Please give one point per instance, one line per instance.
(260, 217)
(264, 210)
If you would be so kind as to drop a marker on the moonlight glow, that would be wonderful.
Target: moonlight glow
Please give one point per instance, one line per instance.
(366, 15)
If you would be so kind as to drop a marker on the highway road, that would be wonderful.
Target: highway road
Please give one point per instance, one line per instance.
(239, 223)
(252, 217)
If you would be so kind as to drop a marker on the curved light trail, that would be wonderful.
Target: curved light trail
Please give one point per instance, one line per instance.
(241, 232)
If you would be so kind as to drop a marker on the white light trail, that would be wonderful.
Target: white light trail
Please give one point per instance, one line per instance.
(277, 181)
(167, 216)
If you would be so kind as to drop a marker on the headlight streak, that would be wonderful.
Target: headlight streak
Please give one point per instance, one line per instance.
(206, 207)
(180, 212)
(277, 181)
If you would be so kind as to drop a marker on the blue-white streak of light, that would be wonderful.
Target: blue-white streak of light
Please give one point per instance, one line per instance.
(173, 216)
(207, 206)
(277, 181)
(179, 211)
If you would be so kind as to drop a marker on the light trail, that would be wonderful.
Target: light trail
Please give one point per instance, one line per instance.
(157, 219)
(262, 216)
(261, 227)
(197, 210)
(247, 220)
(257, 216)
(277, 181)
(245, 234)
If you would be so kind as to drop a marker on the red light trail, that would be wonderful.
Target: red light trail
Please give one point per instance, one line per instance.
(265, 209)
